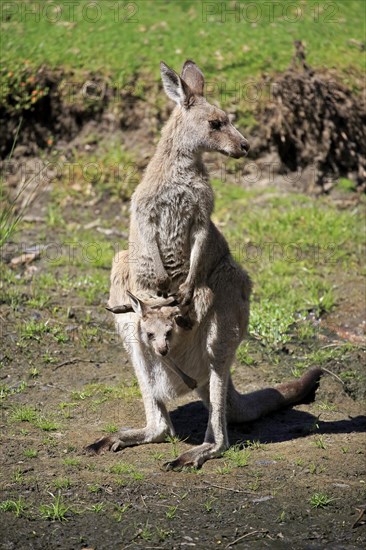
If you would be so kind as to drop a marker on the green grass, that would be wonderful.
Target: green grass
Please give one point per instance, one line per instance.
(16, 506)
(320, 500)
(123, 469)
(30, 453)
(62, 483)
(158, 29)
(293, 247)
(8, 391)
(57, 510)
(23, 413)
(237, 456)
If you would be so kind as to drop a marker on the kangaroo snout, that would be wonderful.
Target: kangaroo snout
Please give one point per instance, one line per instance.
(163, 351)
(244, 146)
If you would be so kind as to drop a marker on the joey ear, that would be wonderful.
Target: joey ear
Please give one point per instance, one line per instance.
(193, 76)
(175, 88)
(138, 306)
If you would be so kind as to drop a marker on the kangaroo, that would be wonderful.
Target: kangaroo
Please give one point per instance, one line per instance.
(173, 356)
(173, 245)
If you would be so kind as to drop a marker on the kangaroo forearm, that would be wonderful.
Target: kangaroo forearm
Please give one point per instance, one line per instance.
(197, 257)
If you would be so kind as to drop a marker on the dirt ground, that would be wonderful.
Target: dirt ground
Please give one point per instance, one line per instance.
(265, 504)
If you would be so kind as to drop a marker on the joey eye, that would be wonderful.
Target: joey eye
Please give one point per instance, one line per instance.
(150, 335)
(215, 124)
(169, 333)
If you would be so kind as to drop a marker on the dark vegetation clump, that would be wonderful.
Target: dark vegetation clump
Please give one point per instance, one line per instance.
(47, 106)
(314, 120)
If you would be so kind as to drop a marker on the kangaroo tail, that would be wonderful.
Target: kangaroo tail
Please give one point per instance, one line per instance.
(251, 406)
(301, 390)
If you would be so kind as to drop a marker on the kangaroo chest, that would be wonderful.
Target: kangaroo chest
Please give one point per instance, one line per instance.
(176, 214)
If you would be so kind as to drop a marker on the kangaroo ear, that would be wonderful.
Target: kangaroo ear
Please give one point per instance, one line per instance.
(184, 322)
(138, 306)
(193, 76)
(174, 86)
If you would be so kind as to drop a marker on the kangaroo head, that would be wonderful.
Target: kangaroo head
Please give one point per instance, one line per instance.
(159, 326)
(204, 126)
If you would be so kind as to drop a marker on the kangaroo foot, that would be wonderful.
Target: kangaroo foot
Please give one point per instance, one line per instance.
(129, 437)
(99, 446)
(194, 458)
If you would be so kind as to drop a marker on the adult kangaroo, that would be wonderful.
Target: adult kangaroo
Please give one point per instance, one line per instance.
(175, 247)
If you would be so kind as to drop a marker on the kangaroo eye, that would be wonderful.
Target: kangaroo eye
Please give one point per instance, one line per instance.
(150, 335)
(215, 124)
(169, 332)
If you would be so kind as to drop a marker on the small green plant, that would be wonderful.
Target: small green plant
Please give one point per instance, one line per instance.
(325, 406)
(223, 470)
(122, 468)
(16, 506)
(8, 391)
(254, 485)
(47, 357)
(345, 450)
(33, 330)
(296, 372)
(319, 442)
(33, 372)
(208, 505)
(173, 440)
(243, 355)
(49, 441)
(46, 424)
(320, 500)
(255, 444)
(312, 468)
(237, 456)
(346, 185)
(94, 488)
(23, 413)
(62, 483)
(281, 517)
(110, 428)
(57, 510)
(157, 455)
(144, 532)
(97, 508)
(18, 476)
(270, 322)
(70, 461)
(30, 453)
(171, 512)
(120, 510)
(67, 408)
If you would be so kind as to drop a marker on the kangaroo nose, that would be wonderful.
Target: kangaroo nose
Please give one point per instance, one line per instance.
(244, 146)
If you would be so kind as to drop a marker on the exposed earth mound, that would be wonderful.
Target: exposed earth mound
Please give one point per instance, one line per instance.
(314, 120)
